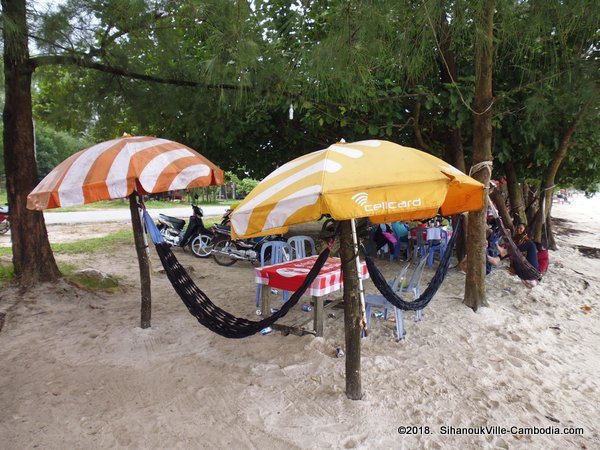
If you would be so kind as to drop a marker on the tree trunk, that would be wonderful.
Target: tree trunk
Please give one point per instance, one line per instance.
(33, 259)
(557, 160)
(550, 231)
(500, 203)
(515, 194)
(352, 312)
(482, 153)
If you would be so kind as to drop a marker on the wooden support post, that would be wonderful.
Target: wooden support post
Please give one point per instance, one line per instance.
(352, 312)
(265, 300)
(318, 318)
(143, 261)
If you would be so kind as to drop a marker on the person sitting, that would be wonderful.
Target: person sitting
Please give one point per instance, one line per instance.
(493, 252)
(400, 231)
(520, 235)
(526, 245)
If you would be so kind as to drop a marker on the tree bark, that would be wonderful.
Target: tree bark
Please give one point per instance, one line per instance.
(352, 312)
(33, 259)
(498, 200)
(515, 194)
(475, 295)
(550, 231)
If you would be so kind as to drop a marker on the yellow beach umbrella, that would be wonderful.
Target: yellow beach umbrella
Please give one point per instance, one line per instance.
(376, 179)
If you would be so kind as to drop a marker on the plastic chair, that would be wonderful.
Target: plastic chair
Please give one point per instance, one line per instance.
(440, 247)
(280, 252)
(419, 243)
(299, 246)
(401, 246)
(398, 285)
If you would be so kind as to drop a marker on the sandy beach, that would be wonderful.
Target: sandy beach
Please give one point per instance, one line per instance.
(76, 371)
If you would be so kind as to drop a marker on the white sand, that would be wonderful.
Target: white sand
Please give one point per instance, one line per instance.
(78, 372)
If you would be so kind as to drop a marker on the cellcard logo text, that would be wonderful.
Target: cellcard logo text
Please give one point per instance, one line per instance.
(362, 199)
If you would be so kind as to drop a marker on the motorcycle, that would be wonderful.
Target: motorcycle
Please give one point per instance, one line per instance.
(4, 222)
(227, 252)
(196, 236)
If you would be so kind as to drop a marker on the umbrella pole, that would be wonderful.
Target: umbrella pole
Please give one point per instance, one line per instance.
(361, 289)
(143, 261)
(352, 312)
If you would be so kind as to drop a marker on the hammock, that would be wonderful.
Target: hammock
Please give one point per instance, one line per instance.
(522, 267)
(203, 309)
(391, 296)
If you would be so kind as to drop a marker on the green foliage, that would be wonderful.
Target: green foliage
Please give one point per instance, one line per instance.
(352, 70)
(53, 147)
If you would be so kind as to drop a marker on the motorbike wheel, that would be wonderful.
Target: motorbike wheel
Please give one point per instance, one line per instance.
(223, 245)
(4, 227)
(202, 245)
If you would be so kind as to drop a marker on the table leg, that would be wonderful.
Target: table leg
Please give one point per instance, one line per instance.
(318, 311)
(265, 300)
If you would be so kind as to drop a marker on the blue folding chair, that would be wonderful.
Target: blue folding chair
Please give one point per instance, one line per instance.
(280, 251)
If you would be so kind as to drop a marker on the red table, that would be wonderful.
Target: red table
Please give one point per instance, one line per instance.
(289, 275)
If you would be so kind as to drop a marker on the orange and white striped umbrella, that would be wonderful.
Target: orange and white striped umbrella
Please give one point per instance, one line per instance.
(114, 169)
(376, 179)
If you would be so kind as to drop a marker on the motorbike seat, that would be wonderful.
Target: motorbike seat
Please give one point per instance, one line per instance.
(177, 223)
(223, 228)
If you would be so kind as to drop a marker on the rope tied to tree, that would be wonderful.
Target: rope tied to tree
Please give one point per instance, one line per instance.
(488, 165)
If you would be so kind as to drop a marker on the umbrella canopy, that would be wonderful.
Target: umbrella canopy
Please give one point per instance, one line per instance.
(125, 167)
(114, 169)
(376, 179)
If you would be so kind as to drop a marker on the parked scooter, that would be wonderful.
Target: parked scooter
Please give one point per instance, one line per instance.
(227, 252)
(196, 236)
(4, 222)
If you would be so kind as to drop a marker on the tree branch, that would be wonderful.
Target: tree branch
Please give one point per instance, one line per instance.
(85, 61)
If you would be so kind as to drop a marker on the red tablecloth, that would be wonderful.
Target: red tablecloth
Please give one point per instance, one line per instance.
(288, 276)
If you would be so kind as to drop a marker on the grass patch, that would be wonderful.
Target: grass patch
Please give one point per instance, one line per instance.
(7, 274)
(92, 245)
(90, 279)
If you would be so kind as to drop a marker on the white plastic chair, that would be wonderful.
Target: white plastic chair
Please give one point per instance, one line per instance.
(280, 252)
(300, 244)
(413, 286)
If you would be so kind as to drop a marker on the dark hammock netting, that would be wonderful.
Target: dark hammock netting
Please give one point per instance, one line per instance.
(436, 281)
(215, 318)
(522, 267)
